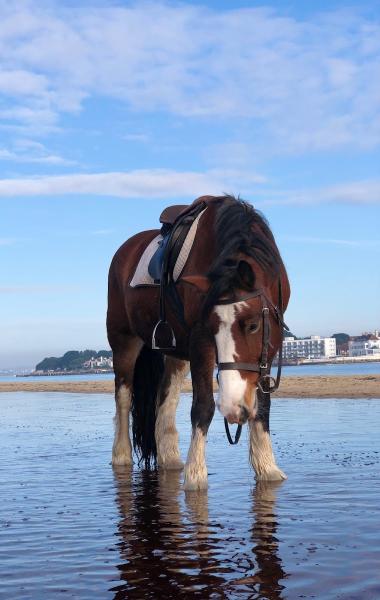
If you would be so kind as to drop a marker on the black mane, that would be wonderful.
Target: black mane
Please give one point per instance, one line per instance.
(239, 230)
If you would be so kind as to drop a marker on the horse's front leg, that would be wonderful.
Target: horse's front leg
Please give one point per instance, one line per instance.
(202, 362)
(260, 445)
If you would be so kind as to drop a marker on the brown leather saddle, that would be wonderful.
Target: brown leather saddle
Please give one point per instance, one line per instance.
(176, 222)
(178, 217)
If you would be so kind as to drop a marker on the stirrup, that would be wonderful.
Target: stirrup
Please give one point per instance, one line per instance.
(169, 332)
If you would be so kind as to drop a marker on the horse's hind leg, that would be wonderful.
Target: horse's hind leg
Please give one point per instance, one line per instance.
(168, 456)
(260, 445)
(124, 359)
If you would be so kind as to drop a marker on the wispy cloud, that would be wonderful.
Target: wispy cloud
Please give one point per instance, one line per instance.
(32, 152)
(312, 84)
(38, 289)
(335, 242)
(165, 183)
(356, 192)
(155, 183)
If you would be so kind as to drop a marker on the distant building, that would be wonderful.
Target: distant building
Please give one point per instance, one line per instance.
(313, 347)
(102, 362)
(367, 344)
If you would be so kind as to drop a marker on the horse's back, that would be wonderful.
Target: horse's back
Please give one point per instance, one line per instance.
(125, 259)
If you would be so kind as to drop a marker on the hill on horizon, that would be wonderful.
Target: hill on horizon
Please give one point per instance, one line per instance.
(71, 360)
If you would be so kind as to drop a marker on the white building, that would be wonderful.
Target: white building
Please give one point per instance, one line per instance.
(313, 347)
(365, 346)
(101, 362)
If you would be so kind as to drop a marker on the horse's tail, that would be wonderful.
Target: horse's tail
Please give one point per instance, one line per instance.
(149, 370)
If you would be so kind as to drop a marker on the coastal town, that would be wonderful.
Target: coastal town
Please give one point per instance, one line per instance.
(337, 349)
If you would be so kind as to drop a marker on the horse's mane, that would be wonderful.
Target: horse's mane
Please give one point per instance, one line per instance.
(239, 230)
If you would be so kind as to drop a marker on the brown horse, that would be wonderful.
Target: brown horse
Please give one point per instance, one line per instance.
(233, 290)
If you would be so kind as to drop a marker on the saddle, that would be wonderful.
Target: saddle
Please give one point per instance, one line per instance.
(176, 222)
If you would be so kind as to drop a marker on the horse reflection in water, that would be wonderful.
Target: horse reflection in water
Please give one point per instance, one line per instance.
(269, 572)
(170, 548)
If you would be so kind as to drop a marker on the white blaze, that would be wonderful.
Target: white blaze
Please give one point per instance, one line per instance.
(231, 385)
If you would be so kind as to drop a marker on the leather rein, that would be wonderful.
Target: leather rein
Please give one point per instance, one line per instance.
(266, 383)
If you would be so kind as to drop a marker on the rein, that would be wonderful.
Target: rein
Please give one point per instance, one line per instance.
(262, 366)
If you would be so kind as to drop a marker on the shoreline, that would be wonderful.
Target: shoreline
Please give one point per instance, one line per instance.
(319, 386)
(347, 360)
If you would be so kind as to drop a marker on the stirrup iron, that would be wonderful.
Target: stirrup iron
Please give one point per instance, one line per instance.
(162, 324)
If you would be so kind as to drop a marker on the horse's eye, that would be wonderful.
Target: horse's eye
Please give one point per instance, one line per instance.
(253, 327)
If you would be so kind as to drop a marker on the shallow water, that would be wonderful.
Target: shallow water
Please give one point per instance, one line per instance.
(71, 526)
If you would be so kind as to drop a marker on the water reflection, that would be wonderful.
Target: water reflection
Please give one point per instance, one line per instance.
(170, 546)
(264, 528)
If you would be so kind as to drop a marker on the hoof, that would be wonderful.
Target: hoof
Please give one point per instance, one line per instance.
(195, 485)
(273, 474)
(172, 465)
(195, 481)
(122, 459)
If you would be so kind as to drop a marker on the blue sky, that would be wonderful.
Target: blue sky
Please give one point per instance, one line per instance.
(111, 111)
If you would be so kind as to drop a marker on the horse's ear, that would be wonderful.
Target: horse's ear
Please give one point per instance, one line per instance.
(199, 281)
(246, 275)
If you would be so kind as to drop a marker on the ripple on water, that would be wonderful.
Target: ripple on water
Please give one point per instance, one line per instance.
(72, 526)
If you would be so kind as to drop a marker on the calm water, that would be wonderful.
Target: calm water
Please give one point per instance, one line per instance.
(71, 526)
(299, 371)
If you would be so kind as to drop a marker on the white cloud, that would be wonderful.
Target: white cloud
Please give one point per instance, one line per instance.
(335, 242)
(312, 84)
(39, 289)
(29, 151)
(47, 159)
(356, 192)
(154, 183)
(166, 183)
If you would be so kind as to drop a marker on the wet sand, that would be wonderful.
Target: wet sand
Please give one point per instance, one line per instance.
(358, 386)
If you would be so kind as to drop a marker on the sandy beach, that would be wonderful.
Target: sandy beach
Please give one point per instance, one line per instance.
(360, 386)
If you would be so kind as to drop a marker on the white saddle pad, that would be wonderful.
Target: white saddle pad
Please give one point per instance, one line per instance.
(141, 275)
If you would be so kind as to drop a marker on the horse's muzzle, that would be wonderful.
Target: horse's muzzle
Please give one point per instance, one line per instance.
(240, 416)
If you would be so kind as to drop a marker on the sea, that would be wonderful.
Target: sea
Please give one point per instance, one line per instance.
(71, 526)
(349, 369)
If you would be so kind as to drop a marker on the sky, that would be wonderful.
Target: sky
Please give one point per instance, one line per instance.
(110, 111)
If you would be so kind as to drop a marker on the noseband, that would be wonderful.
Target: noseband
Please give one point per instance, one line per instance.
(262, 366)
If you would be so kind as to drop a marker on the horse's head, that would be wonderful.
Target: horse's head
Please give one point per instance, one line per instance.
(247, 326)
(247, 337)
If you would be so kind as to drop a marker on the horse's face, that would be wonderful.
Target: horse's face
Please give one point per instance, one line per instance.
(238, 331)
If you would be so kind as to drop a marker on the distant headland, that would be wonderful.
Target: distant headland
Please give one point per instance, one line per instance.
(74, 362)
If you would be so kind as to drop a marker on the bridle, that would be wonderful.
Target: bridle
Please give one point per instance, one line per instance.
(262, 366)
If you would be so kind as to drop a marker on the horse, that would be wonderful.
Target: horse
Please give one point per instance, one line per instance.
(233, 290)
